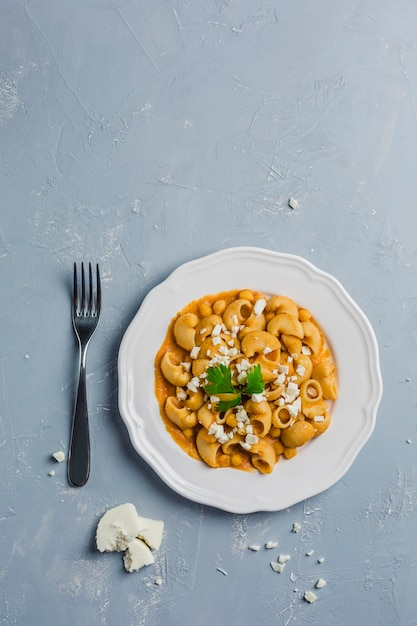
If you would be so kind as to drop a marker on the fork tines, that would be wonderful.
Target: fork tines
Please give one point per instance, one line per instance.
(86, 307)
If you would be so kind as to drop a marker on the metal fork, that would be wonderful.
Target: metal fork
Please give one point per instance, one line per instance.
(85, 319)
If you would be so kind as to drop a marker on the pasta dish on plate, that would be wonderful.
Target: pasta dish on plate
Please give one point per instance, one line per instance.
(243, 379)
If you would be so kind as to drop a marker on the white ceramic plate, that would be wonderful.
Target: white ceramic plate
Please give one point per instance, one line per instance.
(320, 463)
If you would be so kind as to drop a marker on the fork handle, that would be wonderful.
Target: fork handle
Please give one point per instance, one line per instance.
(79, 450)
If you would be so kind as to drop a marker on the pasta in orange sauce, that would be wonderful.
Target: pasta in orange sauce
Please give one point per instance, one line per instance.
(242, 329)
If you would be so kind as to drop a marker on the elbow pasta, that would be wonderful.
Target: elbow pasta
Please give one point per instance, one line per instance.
(241, 330)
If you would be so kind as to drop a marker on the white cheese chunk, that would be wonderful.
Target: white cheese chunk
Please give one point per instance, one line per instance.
(296, 527)
(310, 596)
(277, 567)
(137, 555)
(194, 352)
(271, 544)
(117, 528)
(283, 558)
(254, 547)
(59, 456)
(259, 306)
(292, 203)
(320, 583)
(151, 531)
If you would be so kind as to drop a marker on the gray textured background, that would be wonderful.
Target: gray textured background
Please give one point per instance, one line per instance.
(145, 134)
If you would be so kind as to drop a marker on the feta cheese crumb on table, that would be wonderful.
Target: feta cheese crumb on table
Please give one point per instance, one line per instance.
(137, 555)
(254, 547)
(271, 544)
(59, 456)
(296, 527)
(320, 583)
(310, 596)
(292, 203)
(277, 567)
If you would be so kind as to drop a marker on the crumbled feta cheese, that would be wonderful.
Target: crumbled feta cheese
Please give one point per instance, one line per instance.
(254, 547)
(235, 320)
(283, 558)
(296, 527)
(117, 528)
(203, 330)
(290, 359)
(320, 583)
(242, 378)
(245, 445)
(243, 366)
(181, 393)
(318, 418)
(292, 389)
(251, 439)
(280, 380)
(158, 580)
(301, 370)
(51, 473)
(310, 596)
(267, 350)
(305, 350)
(277, 567)
(294, 408)
(284, 369)
(194, 384)
(292, 203)
(137, 555)
(259, 307)
(216, 341)
(320, 560)
(186, 365)
(258, 397)
(194, 352)
(271, 544)
(59, 456)
(310, 553)
(150, 532)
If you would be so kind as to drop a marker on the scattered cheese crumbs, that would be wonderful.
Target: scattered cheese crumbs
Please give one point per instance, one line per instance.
(320, 560)
(254, 548)
(158, 580)
(271, 544)
(296, 527)
(222, 571)
(277, 567)
(137, 555)
(258, 397)
(194, 352)
(318, 418)
(320, 583)
(300, 370)
(122, 529)
(51, 473)
(283, 558)
(292, 203)
(310, 553)
(259, 307)
(305, 350)
(59, 456)
(310, 596)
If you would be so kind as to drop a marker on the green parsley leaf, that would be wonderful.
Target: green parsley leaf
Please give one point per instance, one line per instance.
(254, 382)
(219, 380)
(219, 383)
